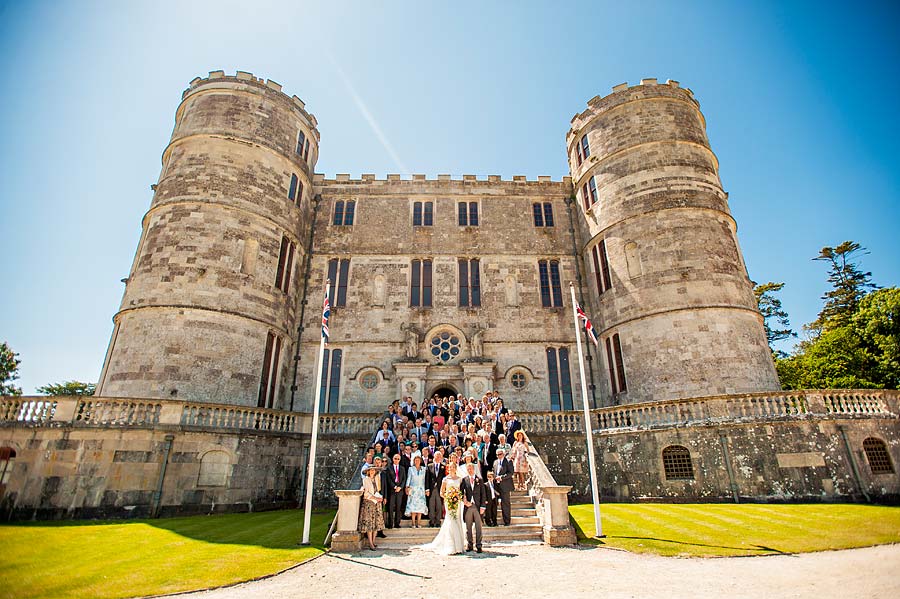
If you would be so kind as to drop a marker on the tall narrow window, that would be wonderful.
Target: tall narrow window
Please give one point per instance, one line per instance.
(269, 379)
(338, 273)
(538, 214)
(589, 193)
(468, 214)
(548, 214)
(344, 212)
(331, 380)
(417, 214)
(592, 188)
(601, 267)
(469, 283)
(559, 378)
(585, 146)
(301, 139)
(420, 288)
(292, 189)
(285, 264)
(579, 157)
(306, 150)
(551, 287)
(616, 364)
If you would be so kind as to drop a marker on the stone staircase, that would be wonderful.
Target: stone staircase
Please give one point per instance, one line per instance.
(525, 526)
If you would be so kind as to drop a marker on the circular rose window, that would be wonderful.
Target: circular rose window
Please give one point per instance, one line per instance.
(445, 346)
(518, 380)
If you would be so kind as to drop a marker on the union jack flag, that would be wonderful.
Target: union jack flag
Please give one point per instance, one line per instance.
(326, 312)
(588, 327)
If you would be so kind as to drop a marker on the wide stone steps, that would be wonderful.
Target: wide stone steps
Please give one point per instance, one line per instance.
(524, 526)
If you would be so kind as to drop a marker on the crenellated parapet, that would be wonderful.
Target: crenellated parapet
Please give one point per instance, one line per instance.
(516, 184)
(268, 86)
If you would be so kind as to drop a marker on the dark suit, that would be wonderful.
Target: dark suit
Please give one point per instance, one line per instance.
(435, 501)
(490, 514)
(477, 494)
(511, 427)
(503, 474)
(394, 498)
(490, 455)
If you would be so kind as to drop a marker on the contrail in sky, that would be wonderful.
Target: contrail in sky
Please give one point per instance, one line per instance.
(369, 117)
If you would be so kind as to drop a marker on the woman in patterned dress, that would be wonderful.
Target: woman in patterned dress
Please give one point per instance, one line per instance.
(519, 456)
(371, 520)
(416, 502)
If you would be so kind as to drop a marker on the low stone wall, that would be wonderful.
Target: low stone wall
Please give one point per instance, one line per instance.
(793, 453)
(106, 458)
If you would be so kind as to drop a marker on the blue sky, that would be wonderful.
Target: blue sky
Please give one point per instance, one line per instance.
(800, 100)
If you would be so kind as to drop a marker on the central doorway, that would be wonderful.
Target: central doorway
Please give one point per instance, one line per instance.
(443, 392)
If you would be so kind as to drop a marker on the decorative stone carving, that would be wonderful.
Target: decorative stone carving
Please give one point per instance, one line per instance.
(478, 344)
(412, 340)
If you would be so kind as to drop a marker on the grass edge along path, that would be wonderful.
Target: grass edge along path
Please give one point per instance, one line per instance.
(118, 559)
(719, 530)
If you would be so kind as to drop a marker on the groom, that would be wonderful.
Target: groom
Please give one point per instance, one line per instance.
(475, 499)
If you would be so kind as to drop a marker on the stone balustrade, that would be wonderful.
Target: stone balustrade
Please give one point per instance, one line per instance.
(551, 501)
(750, 407)
(86, 411)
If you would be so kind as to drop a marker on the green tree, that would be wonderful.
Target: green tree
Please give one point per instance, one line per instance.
(68, 388)
(877, 322)
(773, 314)
(849, 285)
(9, 370)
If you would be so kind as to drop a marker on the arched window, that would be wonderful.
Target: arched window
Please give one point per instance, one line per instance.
(878, 456)
(7, 458)
(677, 463)
(213, 469)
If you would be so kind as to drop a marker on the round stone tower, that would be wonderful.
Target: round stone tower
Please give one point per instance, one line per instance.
(209, 310)
(677, 316)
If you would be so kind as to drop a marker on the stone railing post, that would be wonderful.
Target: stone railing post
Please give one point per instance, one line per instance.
(557, 528)
(346, 537)
(171, 413)
(65, 409)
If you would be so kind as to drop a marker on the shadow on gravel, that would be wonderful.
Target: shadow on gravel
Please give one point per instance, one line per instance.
(368, 565)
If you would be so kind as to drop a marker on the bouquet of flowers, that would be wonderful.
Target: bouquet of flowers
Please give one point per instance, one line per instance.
(452, 498)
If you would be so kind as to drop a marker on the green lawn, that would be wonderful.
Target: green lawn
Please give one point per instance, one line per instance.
(146, 557)
(745, 529)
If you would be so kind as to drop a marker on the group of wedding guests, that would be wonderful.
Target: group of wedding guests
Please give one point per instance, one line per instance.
(477, 447)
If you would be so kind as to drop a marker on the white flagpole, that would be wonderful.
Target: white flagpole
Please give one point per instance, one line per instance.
(311, 468)
(595, 489)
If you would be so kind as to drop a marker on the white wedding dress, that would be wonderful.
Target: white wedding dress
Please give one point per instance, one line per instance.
(451, 537)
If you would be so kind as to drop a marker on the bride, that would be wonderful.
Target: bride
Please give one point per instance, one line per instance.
(450, 539)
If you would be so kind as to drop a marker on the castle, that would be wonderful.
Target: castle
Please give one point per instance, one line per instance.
(439, 286)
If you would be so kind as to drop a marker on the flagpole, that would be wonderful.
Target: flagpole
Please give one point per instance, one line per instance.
(311, 467)
(595, 489)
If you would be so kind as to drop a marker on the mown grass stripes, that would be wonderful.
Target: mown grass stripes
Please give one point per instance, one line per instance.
(745, 529)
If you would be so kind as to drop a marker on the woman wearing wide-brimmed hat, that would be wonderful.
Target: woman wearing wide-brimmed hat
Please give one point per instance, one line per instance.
(519, 456)
(371, 520)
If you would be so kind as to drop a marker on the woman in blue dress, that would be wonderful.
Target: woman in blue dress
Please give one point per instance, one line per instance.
(416, 502)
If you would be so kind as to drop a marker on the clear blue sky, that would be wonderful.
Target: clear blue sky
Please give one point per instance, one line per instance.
(801, 101)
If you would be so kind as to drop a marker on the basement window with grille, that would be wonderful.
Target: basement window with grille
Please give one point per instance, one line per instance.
(677, 463)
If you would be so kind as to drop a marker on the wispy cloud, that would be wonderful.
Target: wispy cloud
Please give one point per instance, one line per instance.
(370, 118)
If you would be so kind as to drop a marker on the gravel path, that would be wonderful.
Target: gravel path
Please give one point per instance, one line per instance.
(533, 570)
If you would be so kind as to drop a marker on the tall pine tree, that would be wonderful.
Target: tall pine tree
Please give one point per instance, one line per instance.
(849, 285)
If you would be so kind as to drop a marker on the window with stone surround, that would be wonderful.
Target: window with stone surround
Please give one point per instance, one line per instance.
(585, 147)
(469, 283)
(423, 214)
(329, 401)
(344, 212)
(295, 189)
(301, 142)
(420, 284)
(214, 466)
(616, 364)
(445, 346)
(878, 457)
(7, 460)
(369, 380)
(677, 463)
(601, 267)
(551, 289)
(518, 379)
(268, 380)
(543, 214)
(589, 193)
(468, 214)
(285, 264)
(559, 378)
(338, 273)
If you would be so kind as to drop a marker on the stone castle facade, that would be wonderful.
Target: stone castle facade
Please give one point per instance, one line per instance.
(440, 285)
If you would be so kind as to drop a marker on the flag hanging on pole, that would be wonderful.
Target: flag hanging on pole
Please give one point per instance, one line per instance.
(326, 312)
(588, 327)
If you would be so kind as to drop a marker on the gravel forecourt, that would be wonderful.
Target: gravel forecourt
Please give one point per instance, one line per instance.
(533, 570)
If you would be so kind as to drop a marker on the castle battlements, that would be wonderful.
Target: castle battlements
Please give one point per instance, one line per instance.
(647, 89)
(440, 180)
(245, 77)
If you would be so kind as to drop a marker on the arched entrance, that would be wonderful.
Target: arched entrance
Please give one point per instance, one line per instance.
(443, 391)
